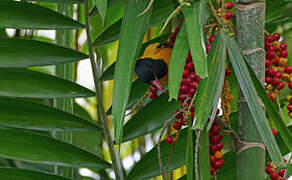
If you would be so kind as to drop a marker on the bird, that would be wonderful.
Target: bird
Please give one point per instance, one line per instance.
(152, 67)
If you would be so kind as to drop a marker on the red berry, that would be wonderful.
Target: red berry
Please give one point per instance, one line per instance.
(288, 69)
(279, 74)
(183, 81)
(271, 96)
(267, 45)
(289, 107)
(193, 76)
(198, 79)
(189, 80)
(228, 15)
(283, 46)
(267, 63)
(270, 72)
(211, 39)
(283, 53)
(269, 39)
(228, 72)
(214, 139)
(269, 170)
(212, 170)
(290, 85)
(184, 89)
(208, 48)
(212, 149)
(290, 100)
(215, 129)
(276, 36)
(212, 159)
(182, 97)
(271, 54)
(276, 81)
(169, 140)
(194, 85)
(178, 115)
(274, 176)
(190, 66)
(275, 61)
(153, 96)
(272, 48)
(229, 5)
(177, 125)
(185, 73)
(281, 172)
(281, 85)
(274, 131)
(183, 121)
(268, 80)
(153, 89)
(218, 164)
(192, 91)
(220, 137)
(219, 146)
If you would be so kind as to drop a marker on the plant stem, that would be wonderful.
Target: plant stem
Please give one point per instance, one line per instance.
(65, 71)
(250, 36)
(116, 162)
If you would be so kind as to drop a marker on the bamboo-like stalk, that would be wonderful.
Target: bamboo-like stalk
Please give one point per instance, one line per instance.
(250, 16)
(65, 71)
(116, 162)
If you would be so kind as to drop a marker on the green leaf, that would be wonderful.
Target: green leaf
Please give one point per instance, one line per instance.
(274, 10)
(203, 155)
(150, 118)
(177, 62)
(25, 53)
(61, 1)
(210, 88)
(148, 166)
(109, 72)
(132, 32)
(23, 174)
(195, 30)
(110, 3)
(23, 15)
(16, 113)
(250, 93)
(160, 12)
(101, 6)
(20, 145)
(110, 34)
(271, 109)
(32, 84)
(190, 154)
(289, 171)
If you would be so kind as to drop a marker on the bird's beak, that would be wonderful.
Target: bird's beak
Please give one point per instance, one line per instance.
(158, 85)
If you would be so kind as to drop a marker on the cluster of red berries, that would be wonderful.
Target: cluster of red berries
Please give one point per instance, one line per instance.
(271, 170)
(228, 14)
(277, 74)
(188, 88)
(215, 148)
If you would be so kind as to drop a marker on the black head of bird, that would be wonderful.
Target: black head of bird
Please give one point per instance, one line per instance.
(152, 67)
